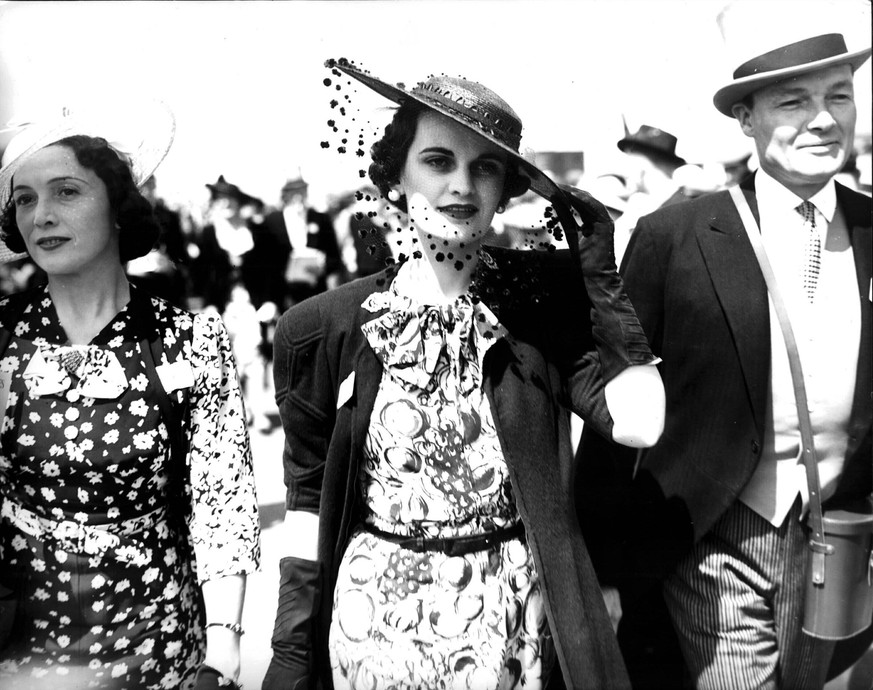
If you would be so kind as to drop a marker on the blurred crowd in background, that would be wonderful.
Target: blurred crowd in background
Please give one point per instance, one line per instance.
(250, 260)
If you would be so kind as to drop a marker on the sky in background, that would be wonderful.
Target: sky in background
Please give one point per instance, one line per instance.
(245, 78)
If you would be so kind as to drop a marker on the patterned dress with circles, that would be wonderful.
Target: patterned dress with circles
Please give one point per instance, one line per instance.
(434, 468)
(84, 443)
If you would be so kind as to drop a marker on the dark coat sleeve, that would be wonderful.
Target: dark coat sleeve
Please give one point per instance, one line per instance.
(633, 532)
(541, 299)
(305, 396)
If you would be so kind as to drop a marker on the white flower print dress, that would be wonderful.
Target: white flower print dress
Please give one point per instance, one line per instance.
(98, 530)
(434, 468)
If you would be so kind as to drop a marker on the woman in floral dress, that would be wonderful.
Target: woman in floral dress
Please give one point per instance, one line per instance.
(428, 456)
(129, 518)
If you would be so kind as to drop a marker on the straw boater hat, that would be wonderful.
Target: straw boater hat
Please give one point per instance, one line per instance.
(468, 103)
(141, 137)
(801, 57)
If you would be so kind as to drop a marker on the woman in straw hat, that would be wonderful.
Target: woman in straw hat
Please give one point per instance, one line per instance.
(129, 518)
(433, 540)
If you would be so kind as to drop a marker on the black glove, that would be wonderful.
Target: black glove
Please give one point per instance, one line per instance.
(292, 665)
(210, 679)
(621, 341)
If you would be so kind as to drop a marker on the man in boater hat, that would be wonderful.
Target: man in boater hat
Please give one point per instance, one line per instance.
(727, 474)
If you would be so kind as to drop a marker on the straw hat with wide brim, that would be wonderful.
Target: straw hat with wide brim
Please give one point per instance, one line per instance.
(784, 62)
(141, 138)
(468, 103)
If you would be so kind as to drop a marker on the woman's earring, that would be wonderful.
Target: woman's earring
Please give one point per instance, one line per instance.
(393, 195)
(501, 208)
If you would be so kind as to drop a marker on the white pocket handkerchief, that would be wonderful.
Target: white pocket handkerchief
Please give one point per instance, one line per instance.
(175, 376)
(346, 389)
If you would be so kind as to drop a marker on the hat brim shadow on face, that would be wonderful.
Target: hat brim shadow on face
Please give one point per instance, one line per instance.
(540, 183)
(728, 96)
(142, 142)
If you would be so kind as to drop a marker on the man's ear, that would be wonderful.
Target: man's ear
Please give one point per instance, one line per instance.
(743, 113)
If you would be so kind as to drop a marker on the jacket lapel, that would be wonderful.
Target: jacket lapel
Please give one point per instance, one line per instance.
(367, 370)
(368, 376)
(857, 215)
(360, 375)
(741, 292)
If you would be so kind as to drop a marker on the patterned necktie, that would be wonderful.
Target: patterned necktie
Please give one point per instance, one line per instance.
(812, 253)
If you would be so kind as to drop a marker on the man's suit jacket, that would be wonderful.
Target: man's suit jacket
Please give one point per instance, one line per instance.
(695, 283)
(279, 250)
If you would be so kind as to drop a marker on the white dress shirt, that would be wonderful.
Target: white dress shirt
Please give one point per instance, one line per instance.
(828, 334)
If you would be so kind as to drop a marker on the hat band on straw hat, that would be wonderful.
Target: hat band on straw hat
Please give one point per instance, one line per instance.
(499, 124)
(800, 57)
(793, 55)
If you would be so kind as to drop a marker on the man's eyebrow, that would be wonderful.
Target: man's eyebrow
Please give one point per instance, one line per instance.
(786, 89)
(842, 84)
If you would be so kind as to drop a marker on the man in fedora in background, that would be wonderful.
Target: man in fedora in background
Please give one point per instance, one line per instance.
(717, 506)
(305, 252)
(650, 162)
(651, 153)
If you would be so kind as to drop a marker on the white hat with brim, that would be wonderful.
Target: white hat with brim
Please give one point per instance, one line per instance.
(794, 59)
(141, 138)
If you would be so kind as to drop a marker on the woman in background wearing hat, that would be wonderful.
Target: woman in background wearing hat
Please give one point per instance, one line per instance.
(129, 518)
(229, 251)
(432, 536)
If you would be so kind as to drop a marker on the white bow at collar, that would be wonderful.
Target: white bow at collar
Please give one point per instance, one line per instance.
(54, 369)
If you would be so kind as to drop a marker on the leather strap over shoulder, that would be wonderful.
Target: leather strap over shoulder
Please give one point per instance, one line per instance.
(817, 543)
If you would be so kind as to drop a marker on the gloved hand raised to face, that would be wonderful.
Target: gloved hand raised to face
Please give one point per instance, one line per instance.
(620, 339)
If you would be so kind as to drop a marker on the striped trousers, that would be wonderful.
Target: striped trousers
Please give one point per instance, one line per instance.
(736, 601)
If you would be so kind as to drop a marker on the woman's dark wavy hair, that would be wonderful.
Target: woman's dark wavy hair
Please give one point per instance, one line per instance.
(139, 229)
(389, 156)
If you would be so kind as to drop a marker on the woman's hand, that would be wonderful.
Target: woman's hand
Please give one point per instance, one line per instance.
(223, 651)
(596, 245)
(590, 211)
(209, 678)
(223, 599)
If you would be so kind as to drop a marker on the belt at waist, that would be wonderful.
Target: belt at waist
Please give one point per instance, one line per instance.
(450, 546)
(94, 540)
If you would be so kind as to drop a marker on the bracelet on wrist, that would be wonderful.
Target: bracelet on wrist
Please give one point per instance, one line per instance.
(233, 627)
